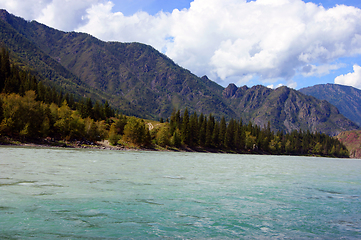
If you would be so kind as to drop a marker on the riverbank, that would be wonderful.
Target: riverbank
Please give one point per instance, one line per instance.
(105, 145)
(48, 142)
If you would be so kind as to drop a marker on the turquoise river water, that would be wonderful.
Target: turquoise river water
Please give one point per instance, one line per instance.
(51, 193)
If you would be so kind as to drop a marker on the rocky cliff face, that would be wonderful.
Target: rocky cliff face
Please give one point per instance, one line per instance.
(286, 109)
(347, 99)
(352, 141)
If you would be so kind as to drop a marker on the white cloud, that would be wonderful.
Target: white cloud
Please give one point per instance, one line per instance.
(290, 84)
(140, 27)
(27, 9)
(351, 79)
(274, 87)
(66, 15)
(270, 39)
(322, 70)
(228, 40)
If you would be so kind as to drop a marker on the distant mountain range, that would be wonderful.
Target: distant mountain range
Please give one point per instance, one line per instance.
(143, 82)
(347, 99)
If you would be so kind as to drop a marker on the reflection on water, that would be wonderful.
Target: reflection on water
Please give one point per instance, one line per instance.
(69, 194)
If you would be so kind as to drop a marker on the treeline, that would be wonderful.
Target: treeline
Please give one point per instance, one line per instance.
(206, 132)
(31, 110)
(14, 80)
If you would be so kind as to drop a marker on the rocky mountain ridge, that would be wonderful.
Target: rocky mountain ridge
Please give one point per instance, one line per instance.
(286, 109)
(346, 98)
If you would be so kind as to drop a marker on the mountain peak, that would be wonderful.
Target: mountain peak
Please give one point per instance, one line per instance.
(4, 14)
(229, 91)
(346, 98)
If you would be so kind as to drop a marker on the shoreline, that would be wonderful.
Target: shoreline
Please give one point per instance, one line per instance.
(102, 145)
(105, 145)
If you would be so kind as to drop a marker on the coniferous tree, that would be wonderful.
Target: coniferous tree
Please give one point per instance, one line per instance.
(209, 131)
(222, 131)
(88, 111)
(185, 128)
(202, 131)
(215, 135)
(97, 111)
(229, 135)
(174, 121)
(242, 136)
(176, 139)
(194, 129)
(237, 136)
(108, 112)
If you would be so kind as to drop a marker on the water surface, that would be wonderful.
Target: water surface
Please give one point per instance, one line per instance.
(50, 193)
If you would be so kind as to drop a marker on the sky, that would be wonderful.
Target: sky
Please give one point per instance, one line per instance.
(297, 43)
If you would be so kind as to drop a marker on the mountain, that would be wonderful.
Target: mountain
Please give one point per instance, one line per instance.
(27, 54)
(131, 74)
(347, 99)
(143, 82)
(286, 109)
(352, 141)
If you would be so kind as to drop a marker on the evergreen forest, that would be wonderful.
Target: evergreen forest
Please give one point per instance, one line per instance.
(32, 111)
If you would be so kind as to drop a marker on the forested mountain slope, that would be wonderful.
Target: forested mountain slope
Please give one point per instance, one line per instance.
(143, 82)
(347, 99)
(131, 71)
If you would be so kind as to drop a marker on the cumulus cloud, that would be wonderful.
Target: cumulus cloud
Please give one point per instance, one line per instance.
(27, 9)
(66, 15)
(236, 39)
(351, 79)
(140, 27)
(322, 70)
(228, 40)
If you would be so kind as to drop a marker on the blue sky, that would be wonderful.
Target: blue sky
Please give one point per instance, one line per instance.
(297, 43)
(129, 7)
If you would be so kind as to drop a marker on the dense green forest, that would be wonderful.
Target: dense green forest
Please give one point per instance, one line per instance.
(29, 110)
(206, 132)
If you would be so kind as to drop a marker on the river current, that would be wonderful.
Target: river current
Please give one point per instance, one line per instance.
(52, 193)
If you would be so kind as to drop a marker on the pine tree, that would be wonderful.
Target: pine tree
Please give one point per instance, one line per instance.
(185, 129)
(108, 112)
(194, 129)
(222, 131)
(174, 121)
(229, 135)
(176, 140)
(98, 112)
(209, 131)
(202, 131)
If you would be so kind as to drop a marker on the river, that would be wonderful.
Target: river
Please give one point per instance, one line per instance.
(54, 193)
